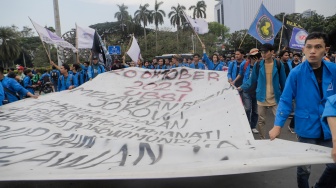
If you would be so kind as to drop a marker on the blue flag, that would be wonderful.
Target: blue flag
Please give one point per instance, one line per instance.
(298, 38)
(265, 27)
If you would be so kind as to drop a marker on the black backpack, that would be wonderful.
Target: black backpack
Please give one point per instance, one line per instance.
(54, 76)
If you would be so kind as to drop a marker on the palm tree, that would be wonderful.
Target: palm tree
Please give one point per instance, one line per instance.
(143, 15)
(176, 18)
(199, 10)
(122, 15)
(158, 15)
(9, 47)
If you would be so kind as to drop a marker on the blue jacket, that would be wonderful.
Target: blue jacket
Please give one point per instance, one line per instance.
(200, 65)
(45, 75)
(65, 84)
(330, 108)
(2, 94)
(302, 86)
(232, 70)
(148, 67)
(12, 85)
(278, 81)
(211, 65)
(245, 74)
(162, 67)
(100, 69)
(28, 82)
(84, 74)
(79, 77)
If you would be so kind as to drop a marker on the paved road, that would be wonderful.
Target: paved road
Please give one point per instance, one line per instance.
(273, 179)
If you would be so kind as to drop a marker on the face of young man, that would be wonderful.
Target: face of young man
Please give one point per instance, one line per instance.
(63, 70)
(161, 62)
(314, 50)
(95, 61)
(196, 59)
(296, 58)
(267, 55)
(238, 56)
(285, 57)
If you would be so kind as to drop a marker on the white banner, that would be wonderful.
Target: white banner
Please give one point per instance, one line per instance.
(136, 123)
(85, 37)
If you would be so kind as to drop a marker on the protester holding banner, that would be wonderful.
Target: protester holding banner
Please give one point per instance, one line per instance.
(329, 114)
(160, 65)
(309, 84)
(270, 77)
(235, 67)
(196, 64)
(27, 82)
(12, 87)
(95, 68)
(66, 81)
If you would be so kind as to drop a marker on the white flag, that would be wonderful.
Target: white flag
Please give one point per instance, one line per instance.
(202, 26)
(85, 37)
(134, 51)
(51, 38)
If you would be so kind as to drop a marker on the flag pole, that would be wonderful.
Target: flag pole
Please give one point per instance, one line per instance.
(185, 16)
(41, 41)
(282, 27)
(251, 24)
(127, 48)
(77, 43)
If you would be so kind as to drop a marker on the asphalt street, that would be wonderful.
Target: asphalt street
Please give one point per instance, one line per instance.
(273, 179)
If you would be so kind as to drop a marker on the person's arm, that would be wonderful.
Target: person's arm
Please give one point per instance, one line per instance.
(102, 68)
(209, 63)
(284, 106)
(21, 90)
(53, 64)
(332, 125)
(247, 85)
(89, 73)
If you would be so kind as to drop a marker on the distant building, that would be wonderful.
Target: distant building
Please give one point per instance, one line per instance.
(308, 13)
(239, 14)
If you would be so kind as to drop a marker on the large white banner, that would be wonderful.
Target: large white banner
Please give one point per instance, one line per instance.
(136, 123)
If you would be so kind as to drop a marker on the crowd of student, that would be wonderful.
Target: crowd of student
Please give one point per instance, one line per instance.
(282, 83)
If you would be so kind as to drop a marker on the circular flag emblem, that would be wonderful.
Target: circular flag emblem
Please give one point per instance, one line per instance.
(300, 37)
(265, 28)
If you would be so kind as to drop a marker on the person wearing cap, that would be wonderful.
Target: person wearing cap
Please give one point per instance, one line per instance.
(310, 84)
(269, 77)
(12, 88)
(214, 64)
(95, 68)
(249, 96)
(20, 73)
(196, 64)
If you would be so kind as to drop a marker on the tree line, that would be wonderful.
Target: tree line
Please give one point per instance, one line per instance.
(21, 47)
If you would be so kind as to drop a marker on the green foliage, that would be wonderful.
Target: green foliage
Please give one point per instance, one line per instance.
(219, 30)
(10, 48)
(199, 10)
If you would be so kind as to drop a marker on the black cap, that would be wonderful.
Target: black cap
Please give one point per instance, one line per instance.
(95, 57)
(266, 47)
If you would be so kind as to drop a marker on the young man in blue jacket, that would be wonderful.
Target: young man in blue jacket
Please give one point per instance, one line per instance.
(95, 68)
(235, 67)
(270, 77)
(12, 87)
(66, 81)
(310, 84)
(196, 64)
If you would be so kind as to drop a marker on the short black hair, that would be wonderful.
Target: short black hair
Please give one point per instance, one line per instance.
(282, 52)
(66, 66)
(76, 66)
(11, 75)
(27, 71)
(240, 51)
(12, 69)
(196, 55)
(318, 35)
(53, 67)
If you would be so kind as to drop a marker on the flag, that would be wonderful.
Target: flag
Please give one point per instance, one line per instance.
(203, 26)
(294, 34)
(265, 26)
(51, 38)
(199, 25)
(85, 37)
(298, 38)
(88, 38)
(134, 51)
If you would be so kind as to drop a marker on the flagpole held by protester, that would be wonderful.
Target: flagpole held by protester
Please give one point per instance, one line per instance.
(191, 25)
(282, 28)
(41, 40)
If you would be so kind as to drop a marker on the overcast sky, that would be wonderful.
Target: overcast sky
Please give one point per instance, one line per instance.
(89, 12)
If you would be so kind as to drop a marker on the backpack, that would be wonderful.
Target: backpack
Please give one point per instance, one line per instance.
(46, 79)
(54, 76)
